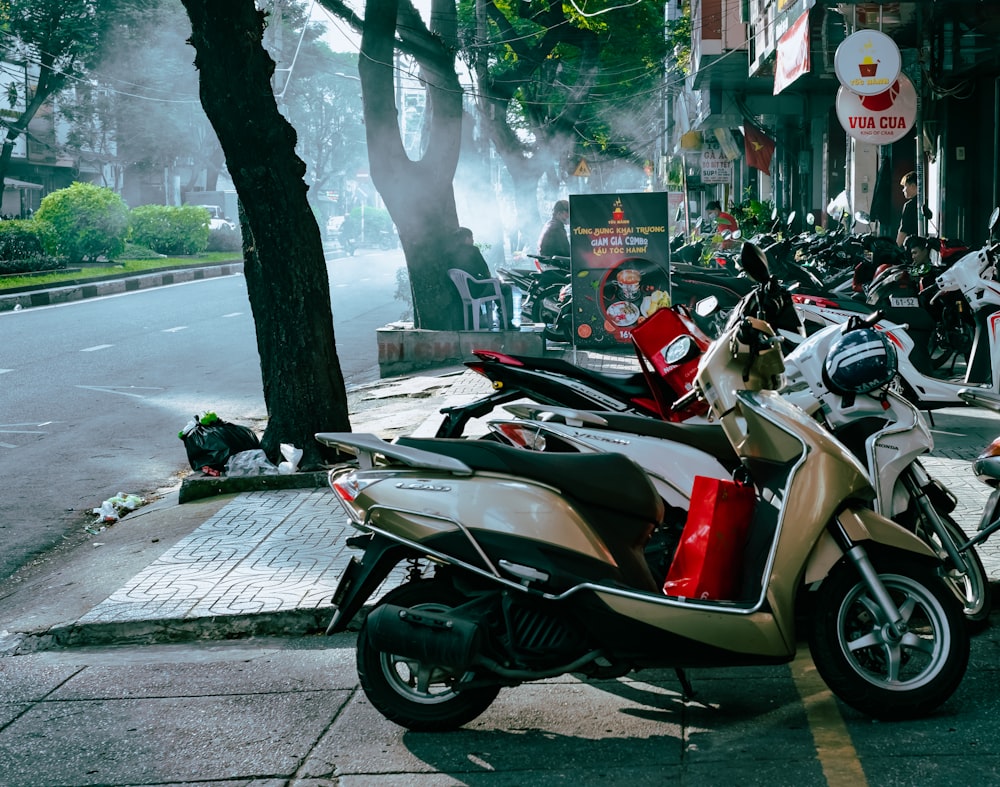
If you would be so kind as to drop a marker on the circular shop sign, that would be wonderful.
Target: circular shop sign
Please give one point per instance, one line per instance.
(882, 118)
(867, 62)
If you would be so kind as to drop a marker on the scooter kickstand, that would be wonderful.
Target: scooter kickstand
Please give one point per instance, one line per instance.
(686, 688)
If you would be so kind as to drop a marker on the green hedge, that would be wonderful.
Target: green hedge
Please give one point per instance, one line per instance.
(20, 240)
(32, 265)
(170, 230)
(225, 239)
(84, 223)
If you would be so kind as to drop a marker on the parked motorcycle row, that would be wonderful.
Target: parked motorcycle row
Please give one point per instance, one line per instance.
(560, 544)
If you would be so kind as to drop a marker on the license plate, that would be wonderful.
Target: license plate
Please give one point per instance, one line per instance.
(904, 303)
(350, 575)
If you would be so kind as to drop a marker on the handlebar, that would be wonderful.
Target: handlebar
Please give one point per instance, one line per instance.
(854, 322)
(546, 257)
(686, 400)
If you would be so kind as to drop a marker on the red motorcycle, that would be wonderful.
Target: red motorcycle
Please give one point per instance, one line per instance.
(651, 392)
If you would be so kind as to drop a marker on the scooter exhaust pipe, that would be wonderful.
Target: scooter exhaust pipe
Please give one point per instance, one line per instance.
(429, 637)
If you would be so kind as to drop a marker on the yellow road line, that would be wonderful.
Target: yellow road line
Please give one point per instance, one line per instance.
(834, 748)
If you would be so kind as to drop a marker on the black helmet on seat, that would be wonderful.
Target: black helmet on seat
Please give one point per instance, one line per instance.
(860, 361)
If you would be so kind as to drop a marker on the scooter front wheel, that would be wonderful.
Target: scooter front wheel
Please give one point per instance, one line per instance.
(865, 663)
(968, 582)
(416, 695)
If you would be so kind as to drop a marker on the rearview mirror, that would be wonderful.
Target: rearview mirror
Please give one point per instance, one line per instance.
(706, 306)
(754, 263)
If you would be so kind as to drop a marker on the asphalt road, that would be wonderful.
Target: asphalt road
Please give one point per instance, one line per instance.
(93, 393)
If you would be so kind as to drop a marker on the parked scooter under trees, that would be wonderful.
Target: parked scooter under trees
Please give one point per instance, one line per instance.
(536, 574)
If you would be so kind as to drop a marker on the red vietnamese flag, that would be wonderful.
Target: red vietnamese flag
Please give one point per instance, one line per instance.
(759, 148)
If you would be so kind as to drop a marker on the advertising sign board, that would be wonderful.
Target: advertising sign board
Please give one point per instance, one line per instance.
(882, 118)
(620, 246)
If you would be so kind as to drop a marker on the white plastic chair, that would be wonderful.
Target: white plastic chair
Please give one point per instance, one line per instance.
(474, 306)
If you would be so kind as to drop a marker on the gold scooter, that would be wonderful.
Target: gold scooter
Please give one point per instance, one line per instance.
(522, 566)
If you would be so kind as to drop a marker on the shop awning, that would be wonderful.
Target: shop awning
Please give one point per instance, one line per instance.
(12, 184)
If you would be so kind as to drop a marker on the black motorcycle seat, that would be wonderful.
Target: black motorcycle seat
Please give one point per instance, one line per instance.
(610, 481)
(628, 384)
(710, 438)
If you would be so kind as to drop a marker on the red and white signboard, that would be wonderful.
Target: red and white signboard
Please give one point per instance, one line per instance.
(867, 62)
(715, 167)
(882, 118)
(792, 58)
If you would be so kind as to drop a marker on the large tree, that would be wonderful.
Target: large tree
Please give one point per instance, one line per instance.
(143, 111)
(419, 194)
(59, 42)
(323, 100)
(283, 251)
(551, 83)
(554, 85)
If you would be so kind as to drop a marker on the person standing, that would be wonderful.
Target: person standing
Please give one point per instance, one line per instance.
(554, 240)
(908, 218)
(724, 222)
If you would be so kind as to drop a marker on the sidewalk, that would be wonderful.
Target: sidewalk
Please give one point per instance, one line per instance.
(267, 562)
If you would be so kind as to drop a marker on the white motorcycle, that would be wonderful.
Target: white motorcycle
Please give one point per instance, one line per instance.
(974, 278)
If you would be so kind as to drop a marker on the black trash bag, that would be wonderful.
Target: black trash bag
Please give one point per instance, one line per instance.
(211, 445)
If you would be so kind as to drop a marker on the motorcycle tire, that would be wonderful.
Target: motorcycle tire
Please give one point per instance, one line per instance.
(972, 587)
(864, 665)
(393, 684)
(541, 313)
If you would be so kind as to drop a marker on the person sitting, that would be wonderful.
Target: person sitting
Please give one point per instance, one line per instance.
(554, 240)
(920, 252)
(466, 256)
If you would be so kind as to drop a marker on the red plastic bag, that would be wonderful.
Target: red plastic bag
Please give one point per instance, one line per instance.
(709, 558)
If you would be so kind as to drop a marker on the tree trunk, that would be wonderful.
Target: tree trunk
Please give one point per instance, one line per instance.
(419, 195)
(283, 251)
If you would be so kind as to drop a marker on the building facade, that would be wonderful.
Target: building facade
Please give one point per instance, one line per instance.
(770, 65)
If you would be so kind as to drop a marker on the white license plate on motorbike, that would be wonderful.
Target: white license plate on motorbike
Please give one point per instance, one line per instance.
(904, 303)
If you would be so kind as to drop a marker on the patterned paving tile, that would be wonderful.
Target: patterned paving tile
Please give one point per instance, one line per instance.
(263, 552)
(281, 550)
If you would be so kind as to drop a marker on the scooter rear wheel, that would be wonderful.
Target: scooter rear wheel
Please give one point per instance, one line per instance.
(869, 668)
(412, 694)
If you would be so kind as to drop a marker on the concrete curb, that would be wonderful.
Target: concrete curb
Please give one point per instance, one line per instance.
(95, 288)
(289, 623)
(198, 487)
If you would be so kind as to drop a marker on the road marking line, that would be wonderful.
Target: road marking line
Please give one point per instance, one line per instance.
(114, 390)
(174, 330)
(232, 314)
(834, 748)
(96, 347)
(4, 371)
(7, 445)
